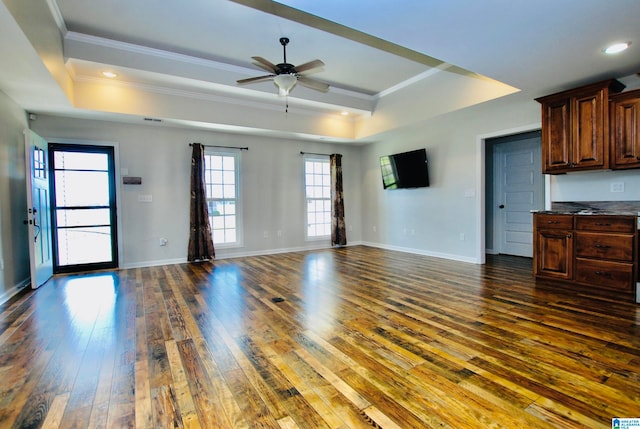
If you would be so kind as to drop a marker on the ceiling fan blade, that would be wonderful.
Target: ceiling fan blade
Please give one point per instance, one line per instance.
(255, 79)
(265, 64)
(313, 84)
(309, 66)
(264, 67)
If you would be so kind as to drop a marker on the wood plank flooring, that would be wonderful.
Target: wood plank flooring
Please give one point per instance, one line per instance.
(341, 338)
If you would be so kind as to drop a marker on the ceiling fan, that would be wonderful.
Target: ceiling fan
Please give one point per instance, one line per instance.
(286, 75)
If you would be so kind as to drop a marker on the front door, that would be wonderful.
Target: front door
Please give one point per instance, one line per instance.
(84, 207)
(519, 190)
(38, 209)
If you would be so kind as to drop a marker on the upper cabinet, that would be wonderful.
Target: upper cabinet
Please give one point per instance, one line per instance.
(625, 129)
(575, 128)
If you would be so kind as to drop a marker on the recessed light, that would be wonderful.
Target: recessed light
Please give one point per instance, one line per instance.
(344, 113)
(616, 48)
(109, 74)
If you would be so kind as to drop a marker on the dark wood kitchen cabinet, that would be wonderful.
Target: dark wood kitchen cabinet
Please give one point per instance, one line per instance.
(596, 251)
(625, 130)
(605, 249)
(575, 128)
(553, 246)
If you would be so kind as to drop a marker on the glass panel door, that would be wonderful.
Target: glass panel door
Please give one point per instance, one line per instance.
(84, 207)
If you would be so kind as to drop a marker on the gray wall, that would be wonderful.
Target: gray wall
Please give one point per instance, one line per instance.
(271, 181)
(14, 253)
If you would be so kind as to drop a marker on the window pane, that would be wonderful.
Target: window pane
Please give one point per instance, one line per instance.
(222, 178)
(82, 188)
(229, 191)
(228, 163)
(217, 222)
(318, 193)
(82, 217)
(218, 236)
(80, 161)
(214, 162)
(84, 245)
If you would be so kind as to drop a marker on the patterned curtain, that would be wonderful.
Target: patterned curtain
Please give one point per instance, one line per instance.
(338, 230)
(200, 241)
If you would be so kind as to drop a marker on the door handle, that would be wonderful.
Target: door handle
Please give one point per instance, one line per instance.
(501, 206)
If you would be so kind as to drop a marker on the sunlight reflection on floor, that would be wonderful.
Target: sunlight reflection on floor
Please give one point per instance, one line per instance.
(90, 300)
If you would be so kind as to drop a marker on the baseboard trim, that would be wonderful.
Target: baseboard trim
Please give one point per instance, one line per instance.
(10, 293)
(423, 252)
(231, 254)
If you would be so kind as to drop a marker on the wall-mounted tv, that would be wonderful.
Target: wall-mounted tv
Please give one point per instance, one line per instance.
(405, 170)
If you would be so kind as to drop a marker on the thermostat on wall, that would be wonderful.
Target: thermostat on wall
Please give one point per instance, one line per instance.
(131, 180)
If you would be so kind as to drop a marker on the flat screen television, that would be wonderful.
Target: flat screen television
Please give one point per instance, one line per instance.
(405, 170)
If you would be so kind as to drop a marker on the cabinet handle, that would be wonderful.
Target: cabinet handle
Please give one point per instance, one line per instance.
(600, 246)
(553, 221)
(602, 224)
(603, 273)
(568, 235)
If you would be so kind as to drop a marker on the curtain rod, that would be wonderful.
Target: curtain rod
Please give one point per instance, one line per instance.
(322, 154)
(224, 147)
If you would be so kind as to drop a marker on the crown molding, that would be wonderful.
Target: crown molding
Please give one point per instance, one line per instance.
(57, 16)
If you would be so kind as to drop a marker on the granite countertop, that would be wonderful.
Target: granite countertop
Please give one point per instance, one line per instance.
(586, 212)
(605, 208)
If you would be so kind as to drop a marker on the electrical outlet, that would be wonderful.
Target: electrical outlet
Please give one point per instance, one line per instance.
(163, 241)
(462, 236)
(617, 187)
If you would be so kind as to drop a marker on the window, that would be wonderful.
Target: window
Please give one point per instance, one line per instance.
(317, 180)
(221, 178)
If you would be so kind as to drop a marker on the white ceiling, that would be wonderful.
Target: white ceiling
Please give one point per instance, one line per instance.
(389, 63)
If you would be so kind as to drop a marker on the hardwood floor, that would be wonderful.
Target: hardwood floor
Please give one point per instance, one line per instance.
(342, 338)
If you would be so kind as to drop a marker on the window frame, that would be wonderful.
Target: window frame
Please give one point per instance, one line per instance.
(323, 159)
(235, 154)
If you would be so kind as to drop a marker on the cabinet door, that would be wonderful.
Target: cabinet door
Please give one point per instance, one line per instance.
(556, 135)
(588, 125)
(554, 254)
(625, 130)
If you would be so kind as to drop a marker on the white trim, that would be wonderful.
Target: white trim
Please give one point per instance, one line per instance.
(421, 252)
(325, 246)
(57, 16)
(414, 79)
(118, 179)
(11, 292)
(480, 179)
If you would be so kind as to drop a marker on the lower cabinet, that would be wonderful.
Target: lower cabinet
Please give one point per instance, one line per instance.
(554, 251)
(598, 251)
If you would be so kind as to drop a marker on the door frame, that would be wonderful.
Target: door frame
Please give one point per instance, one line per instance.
(117, 177)
(481, 154)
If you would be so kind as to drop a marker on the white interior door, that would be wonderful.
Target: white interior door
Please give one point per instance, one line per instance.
(519, 190)
(38, 208)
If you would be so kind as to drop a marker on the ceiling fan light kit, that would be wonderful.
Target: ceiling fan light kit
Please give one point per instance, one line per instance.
(285, 83)
(285, 75)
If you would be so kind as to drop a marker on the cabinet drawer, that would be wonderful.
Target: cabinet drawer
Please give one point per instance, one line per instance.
(606, 223)
(553, 221)
(606, 274)
(604, 246)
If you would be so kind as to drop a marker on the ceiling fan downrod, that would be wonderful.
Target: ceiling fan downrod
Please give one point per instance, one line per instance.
(284, 41)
